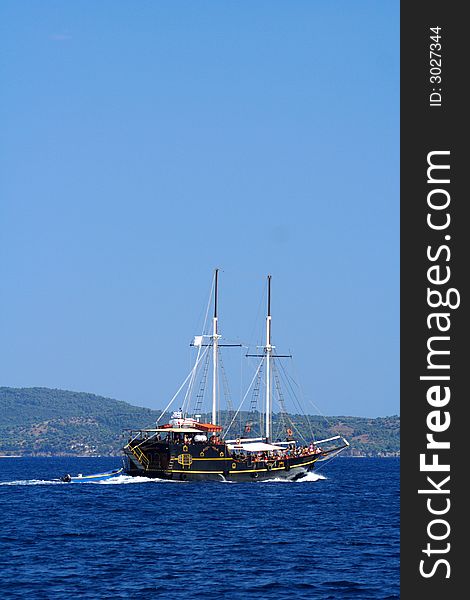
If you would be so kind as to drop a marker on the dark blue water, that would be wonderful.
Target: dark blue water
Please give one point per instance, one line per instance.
(333, 538)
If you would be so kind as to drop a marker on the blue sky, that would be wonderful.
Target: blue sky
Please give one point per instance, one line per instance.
(144, 143)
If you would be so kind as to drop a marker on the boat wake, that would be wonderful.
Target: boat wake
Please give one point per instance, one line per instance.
(125, 479)
(120, 480)
(308, 477)
(32, 482)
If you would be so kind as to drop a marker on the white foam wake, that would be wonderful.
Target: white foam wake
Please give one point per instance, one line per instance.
(32, 482)
(119, 480)
(308, 477)
(125, 479)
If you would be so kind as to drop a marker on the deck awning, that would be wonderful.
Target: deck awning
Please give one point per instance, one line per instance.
(254, 447)
(167, 429)
(183, 429)
(208, 427)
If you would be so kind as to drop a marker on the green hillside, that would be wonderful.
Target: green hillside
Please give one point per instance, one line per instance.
(43, 421)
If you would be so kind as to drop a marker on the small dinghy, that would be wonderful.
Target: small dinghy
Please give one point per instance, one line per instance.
(90, 478)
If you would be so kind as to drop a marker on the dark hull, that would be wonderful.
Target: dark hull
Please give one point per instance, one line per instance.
(201, 462)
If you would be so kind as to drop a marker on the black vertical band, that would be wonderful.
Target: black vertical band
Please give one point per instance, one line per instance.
(434, 269)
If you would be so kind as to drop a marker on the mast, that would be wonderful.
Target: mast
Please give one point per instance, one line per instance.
(215, 338)
(268, 349)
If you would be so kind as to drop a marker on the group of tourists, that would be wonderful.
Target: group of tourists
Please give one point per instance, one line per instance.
(281, 454)
(291, 451)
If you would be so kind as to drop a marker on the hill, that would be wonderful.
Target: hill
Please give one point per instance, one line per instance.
(43, 421)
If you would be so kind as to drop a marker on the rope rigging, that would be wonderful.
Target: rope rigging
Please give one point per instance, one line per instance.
(283, 420)
(251, 417)
(295, 382)
(202, 387)
(242, 400)
(226, 391)
(288, 382)
(190, 374)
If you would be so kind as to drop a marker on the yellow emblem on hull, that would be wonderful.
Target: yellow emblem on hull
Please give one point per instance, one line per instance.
(185, 459)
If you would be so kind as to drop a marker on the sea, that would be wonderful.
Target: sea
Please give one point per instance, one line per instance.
(334, 534)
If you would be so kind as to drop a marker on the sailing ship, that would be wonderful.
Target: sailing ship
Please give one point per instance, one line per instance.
(186, 448)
